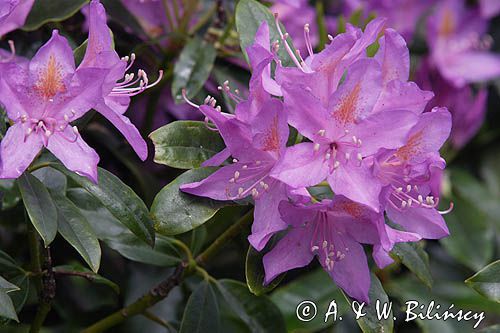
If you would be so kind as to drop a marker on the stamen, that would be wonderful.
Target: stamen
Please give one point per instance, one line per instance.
(287, 47)
(184, 96)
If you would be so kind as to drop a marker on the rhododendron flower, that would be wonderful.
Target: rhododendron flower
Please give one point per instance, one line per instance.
(468, 109)
(459, 46)
(333, 231)
(402, 15)
(13, 14)
(42, 97)
(411, 176)
(256, 144)
(115, 95)
(489, 8)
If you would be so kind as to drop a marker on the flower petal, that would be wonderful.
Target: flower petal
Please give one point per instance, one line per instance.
(267, 219)
(292, 251)
(394, 57)
(398, 95)
(17, 150)
(356, 183)
(76, 155)
(301, 166)
(425, 222)
(129, 131)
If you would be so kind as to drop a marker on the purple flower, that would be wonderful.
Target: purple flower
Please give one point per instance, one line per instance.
(13, 14)
(373, 108)
(458, 44)
(256, 139)
(411, 176)
(333, 231)
(489, 8)
(42, 97)
(115, 94)
(468, 109)
(402, 15)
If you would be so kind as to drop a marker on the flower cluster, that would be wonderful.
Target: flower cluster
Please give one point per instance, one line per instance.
(45, 95)
(365, 134)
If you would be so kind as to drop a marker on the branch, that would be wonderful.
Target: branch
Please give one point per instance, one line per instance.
(161, 291)
(149, 299)
(46, 294)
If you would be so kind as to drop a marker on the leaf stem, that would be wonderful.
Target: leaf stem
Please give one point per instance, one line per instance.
(162, 290)
(46, 294)
(223, 239)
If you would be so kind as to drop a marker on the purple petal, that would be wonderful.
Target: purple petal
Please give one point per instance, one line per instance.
(355, 98)
(394, 57)
(270, 128)
(351, 273)
(17, 150)
(427, 223)
(398, 95)
(356, 183)
(427, 136)
(267, 219)
(292, 251)
(305, 111)
(129, 131)
(374, 134)
(76, 155)
(16, 17)
(51, 66)
(301, 166)
(470, 67)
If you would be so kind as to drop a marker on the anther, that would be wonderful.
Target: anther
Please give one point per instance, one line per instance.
(321, 132)
(236, 175)
(316, 146)
(408, 188)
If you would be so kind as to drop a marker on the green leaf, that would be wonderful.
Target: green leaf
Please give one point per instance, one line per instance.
(249, 16)
(7, 309)
(119, 199)
(192, 69)
(490, 329)
(175, 212)
(370, 323)
(79, 52)
(40, 207)
(75, 228)
(6, 286)
(9, 194)
(8, 264)
(163, 254)
(259, 314)
(317, 287)
(78, 270)
(52, 179)
(20, 296)
(201, 314)
(254, 272)
(487, 281)
(185, 144)
(45, 11)
(471, 237)
(414, 257)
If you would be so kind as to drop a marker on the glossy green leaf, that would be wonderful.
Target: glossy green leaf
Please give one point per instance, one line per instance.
(201, 314)
(52, 179)
(7, 309)
(175, 212)
(75, 228)
(44, 11)
(40, 207)
(471, 236)
(487, 281)
(20, 296)
(185, 144)
(119, 199)
(163, 254)
(80, 271)
(414, 257)
(254, 272)
(249, 16)
(192, 69)
(317, 287)
(370, 323)
(258, 313)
